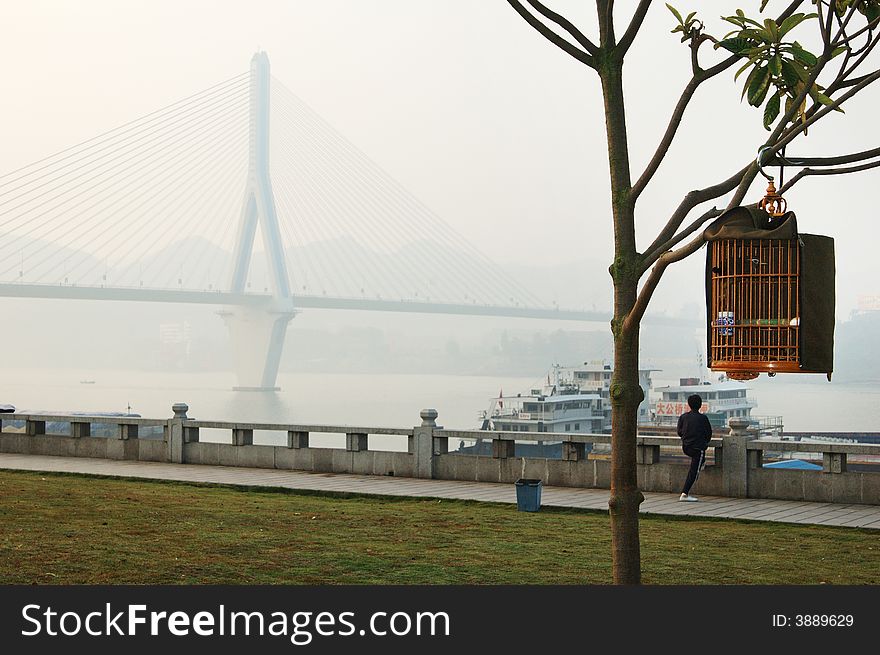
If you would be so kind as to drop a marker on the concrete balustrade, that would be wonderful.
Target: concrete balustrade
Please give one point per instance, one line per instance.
(736, 466)
(77, 436)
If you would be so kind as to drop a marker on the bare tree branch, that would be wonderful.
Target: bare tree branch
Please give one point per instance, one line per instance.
(744, 186)
(691, 200)
(824, 161)
(699, 77)
(634, 25)
(681, 236)
(565, 24)
(815, 161)
(867, 28)
(675, 121)
(825, 22)
(638, 310)
(851, 83)
(669, 256)
(841, 73)
(828, 171)
(821, 22)
(801, 127)
(842, 24)
(552, 36)
(841, 82)
(604, 9)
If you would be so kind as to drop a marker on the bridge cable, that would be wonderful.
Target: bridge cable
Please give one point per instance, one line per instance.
(409, 199)
(327, 202)
(135, 169)
(159, 166)
(358, 166)
(232, 80)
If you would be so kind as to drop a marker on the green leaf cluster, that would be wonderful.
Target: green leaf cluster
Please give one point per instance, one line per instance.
(778, 69)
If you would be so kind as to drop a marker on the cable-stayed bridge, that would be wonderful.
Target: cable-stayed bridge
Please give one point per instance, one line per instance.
(170, 207)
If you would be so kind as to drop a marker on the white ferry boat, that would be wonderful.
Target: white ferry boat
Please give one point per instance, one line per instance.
(576, 399)
(573, 399)
(723, 399)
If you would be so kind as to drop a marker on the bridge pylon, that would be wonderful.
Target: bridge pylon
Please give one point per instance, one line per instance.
(258, 334)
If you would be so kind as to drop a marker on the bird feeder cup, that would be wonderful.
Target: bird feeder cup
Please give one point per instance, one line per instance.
(769, 296)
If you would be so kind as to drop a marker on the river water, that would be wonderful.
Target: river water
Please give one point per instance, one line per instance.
(392, 400)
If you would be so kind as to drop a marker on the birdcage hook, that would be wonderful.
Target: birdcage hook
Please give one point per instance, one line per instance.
(772, 202)
(760, 162)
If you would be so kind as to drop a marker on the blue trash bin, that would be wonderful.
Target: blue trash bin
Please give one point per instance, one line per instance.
(528, 495)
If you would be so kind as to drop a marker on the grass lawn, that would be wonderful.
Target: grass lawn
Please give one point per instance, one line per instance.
(68, 529)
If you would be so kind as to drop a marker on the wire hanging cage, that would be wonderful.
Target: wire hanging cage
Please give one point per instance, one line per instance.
(769, 294)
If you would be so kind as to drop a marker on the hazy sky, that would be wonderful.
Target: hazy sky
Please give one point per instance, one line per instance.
(491, 126)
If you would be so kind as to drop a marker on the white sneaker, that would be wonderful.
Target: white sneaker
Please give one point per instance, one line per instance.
(684, 498)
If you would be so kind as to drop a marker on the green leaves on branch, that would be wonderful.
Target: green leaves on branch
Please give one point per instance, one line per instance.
(870, 9)
(779, 69)
(685, 25)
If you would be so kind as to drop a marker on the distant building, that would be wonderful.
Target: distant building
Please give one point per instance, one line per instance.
(176, 339)
(868, 304)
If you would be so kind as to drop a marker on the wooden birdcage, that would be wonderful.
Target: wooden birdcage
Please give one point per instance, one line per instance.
(755, 305)
(769, 296)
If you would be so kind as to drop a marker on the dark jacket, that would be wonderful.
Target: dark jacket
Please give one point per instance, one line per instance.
(694, 430)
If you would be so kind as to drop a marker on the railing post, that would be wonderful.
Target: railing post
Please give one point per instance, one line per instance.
(647, 454)
(78, 429)
(355, 441)
(177, 453)
(573, 452)
(834, 462)
(190, 435)
(242, 437)
(297, 439)
(755, 459)
(422, 444)
(33, 428)
(503, 448)
(734, 467)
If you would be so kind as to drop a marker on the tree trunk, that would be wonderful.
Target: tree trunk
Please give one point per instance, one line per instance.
(626, 394)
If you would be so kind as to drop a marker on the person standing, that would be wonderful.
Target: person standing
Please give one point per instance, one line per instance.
(695, 432)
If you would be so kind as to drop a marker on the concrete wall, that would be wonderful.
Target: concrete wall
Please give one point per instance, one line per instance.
(590, 473)
(150, 450)
(850, 487)
(736, 472)
(319, 460)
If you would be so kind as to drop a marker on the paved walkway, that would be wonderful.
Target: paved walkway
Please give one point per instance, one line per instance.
(784, 511)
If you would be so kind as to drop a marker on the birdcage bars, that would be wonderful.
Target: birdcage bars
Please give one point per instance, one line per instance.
(755, 306)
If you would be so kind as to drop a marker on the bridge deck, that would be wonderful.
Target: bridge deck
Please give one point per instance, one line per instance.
(861, 516)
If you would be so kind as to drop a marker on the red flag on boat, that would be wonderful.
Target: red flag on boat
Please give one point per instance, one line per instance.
(500, 396)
